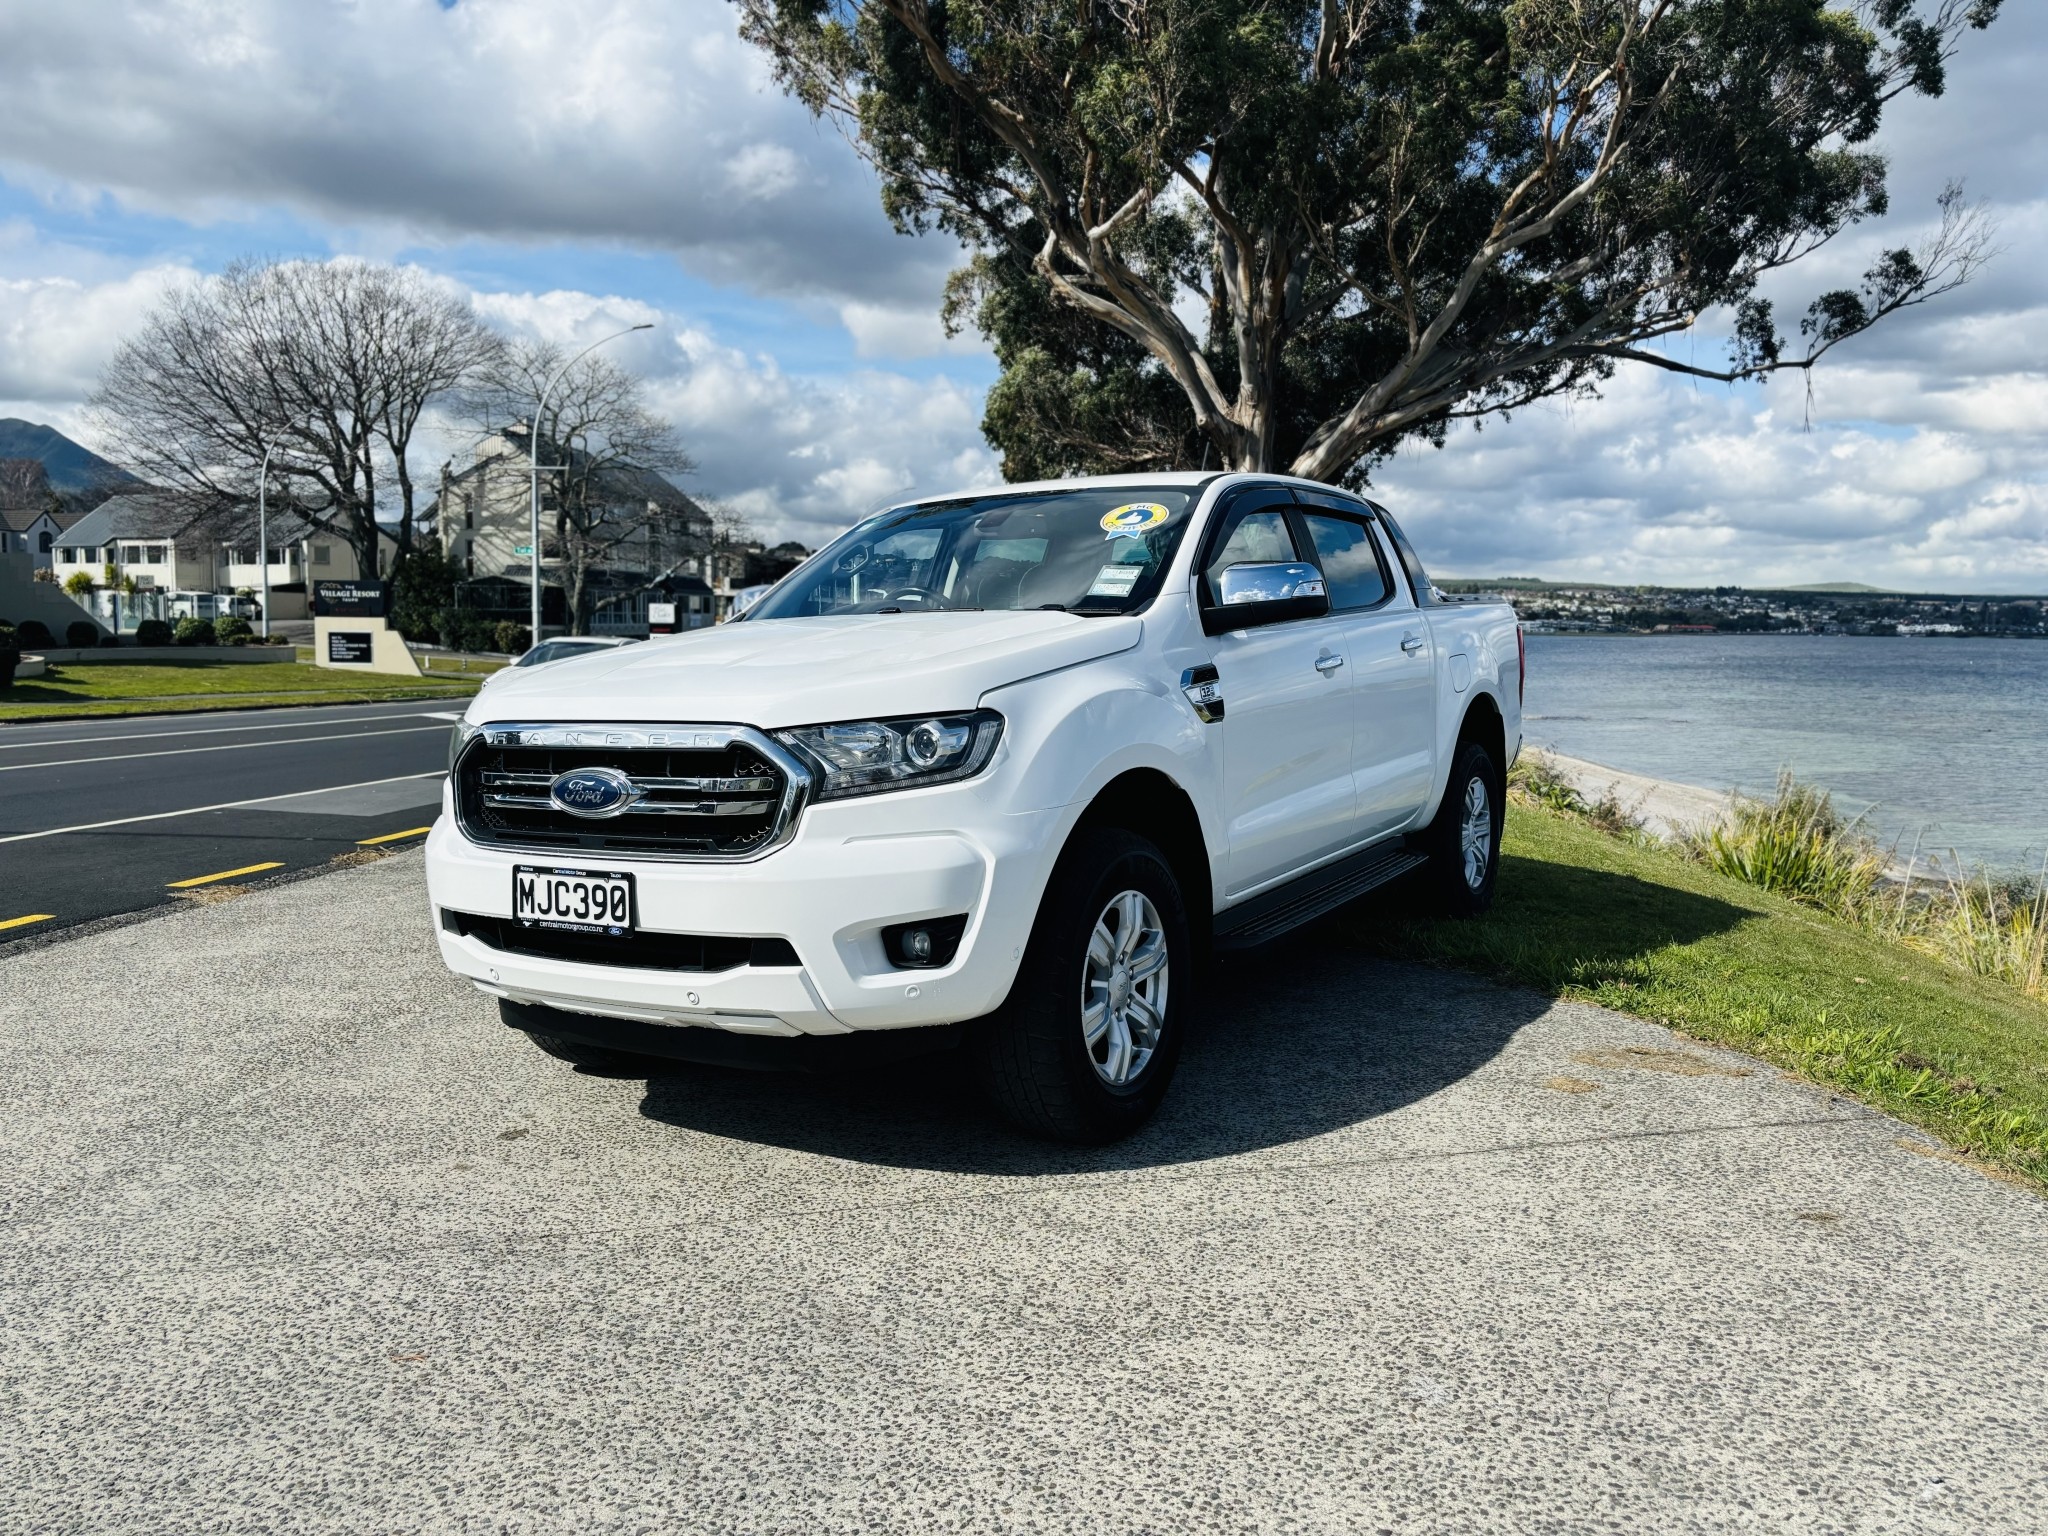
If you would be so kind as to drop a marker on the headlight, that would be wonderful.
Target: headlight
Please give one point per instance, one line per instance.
(864, 757)
(458, 739)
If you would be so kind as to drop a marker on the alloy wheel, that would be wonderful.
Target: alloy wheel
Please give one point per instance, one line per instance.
(1123, 988)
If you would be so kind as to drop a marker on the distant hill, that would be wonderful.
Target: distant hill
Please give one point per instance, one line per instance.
(1855, 587)
(71, 469)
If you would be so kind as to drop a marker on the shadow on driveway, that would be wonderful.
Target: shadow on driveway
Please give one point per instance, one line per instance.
(1291, 1041)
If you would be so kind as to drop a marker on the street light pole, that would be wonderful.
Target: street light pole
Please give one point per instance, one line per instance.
(533, 459)
(263, 537)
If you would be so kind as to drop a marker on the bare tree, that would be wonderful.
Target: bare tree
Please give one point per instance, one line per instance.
(24, 483)
(606, 497)
(328, 365)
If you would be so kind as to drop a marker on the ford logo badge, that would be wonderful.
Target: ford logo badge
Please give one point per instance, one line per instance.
(593, 792)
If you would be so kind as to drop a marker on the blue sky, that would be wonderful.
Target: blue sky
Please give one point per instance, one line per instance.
(575, 168)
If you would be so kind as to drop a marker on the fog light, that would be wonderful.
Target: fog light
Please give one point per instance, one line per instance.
(920, 946)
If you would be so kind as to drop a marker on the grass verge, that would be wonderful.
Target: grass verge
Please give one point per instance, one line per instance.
(83, 692)
(1641, 930)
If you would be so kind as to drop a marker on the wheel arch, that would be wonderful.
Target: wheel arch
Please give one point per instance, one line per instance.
(1484, 724)
(1151, 804)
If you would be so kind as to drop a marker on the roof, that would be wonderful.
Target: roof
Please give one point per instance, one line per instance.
(620, 480)
(173, 516)
(21, 519)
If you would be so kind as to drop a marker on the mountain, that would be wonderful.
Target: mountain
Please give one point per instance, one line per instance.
(71, 469)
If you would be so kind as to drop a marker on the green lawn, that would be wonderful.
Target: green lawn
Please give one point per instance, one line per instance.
(77, 692)
(1583, 914)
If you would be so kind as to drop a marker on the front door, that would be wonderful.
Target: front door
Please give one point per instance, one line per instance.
(1287, 738)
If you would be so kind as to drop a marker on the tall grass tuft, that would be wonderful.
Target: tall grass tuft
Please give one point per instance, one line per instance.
(1799, 845)
(1993, 927)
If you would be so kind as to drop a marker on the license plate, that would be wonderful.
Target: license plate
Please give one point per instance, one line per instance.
(580, 900)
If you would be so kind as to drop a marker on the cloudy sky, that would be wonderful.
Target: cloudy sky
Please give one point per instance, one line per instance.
(581, 167)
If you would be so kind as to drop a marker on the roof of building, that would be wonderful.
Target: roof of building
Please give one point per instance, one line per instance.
(175, 517)
(21, 519)
(626, 482)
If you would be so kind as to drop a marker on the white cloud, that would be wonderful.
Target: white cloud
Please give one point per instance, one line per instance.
(642, 121)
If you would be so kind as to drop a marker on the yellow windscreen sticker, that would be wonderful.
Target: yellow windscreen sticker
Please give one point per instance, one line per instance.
(1133, 518)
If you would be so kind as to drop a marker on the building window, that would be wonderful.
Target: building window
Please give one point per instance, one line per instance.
(44, 540)
(323, 554)
(156, 555)
(69, 555)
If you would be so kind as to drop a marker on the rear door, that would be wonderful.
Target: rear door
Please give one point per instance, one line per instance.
(1392, 663)
(1287, 733)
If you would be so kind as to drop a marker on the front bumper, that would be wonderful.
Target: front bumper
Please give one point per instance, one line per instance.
(851, 869)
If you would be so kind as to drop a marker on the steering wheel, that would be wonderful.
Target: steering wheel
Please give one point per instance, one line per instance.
(915, 595)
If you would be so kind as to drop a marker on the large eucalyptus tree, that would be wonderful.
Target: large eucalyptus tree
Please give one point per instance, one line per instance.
(1285, 234)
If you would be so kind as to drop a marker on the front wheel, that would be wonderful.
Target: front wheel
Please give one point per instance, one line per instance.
(1464, 840)
(1083, 1049)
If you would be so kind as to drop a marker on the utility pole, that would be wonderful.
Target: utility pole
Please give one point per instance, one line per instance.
(533, 452)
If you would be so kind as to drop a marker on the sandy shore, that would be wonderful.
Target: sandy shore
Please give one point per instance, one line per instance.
(1665, 809)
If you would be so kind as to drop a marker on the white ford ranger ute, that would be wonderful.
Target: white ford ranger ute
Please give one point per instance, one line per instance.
(999, 770)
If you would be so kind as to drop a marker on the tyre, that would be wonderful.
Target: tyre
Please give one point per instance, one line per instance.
(1084, 1047)
(594, 1058)
(1464, 840)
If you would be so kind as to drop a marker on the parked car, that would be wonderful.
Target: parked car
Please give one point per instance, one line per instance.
(561, 649)
(994, 770)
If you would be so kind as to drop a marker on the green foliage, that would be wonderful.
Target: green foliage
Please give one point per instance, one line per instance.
(153, 632)
(468, 631)
(1798, 845)
(423, 595)
(510, 638)
(81, 634)
(232, 631)
(34, 635)
(10, 639)
(194, 632)
(1294, 234)
(78, 583)
(1638, 929)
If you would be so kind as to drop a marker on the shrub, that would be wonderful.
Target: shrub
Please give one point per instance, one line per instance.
(8, 641)
(110, 642)
(34, 635)
(195, 632)
(78, 583)
(153, 632)
(81, 634)
(232, 631)
(1799, 845)
(510, 637)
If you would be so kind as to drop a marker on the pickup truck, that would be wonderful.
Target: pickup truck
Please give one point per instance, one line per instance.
(1000, 770)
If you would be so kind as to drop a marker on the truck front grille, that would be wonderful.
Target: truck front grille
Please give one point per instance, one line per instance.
(696, 792)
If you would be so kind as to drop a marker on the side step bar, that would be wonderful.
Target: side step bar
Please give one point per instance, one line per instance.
(1267, 916)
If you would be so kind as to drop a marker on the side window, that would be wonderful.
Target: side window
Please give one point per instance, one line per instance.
(1418, 579)
(1350, 561)
(1250, 538)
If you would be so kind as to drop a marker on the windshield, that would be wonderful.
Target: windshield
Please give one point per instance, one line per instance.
(1088, 550)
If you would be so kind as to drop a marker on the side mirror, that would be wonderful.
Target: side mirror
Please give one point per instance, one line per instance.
(1250, 595)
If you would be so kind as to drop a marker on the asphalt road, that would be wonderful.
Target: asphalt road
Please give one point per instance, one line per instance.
(296, 1237)
(102, 817)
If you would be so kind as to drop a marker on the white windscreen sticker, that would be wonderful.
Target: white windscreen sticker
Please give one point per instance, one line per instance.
(1116, 580)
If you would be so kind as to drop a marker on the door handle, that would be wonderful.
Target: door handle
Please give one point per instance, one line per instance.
(1411, 643)
(1328, 664)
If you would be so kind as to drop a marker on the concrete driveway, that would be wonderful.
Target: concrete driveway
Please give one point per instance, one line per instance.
(297, 1237)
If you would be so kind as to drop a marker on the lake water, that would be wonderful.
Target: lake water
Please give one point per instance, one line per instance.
(1945, 738)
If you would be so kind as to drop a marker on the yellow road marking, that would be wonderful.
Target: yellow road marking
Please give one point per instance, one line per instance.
(226, 874)
(22, 922)
(390, 837)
